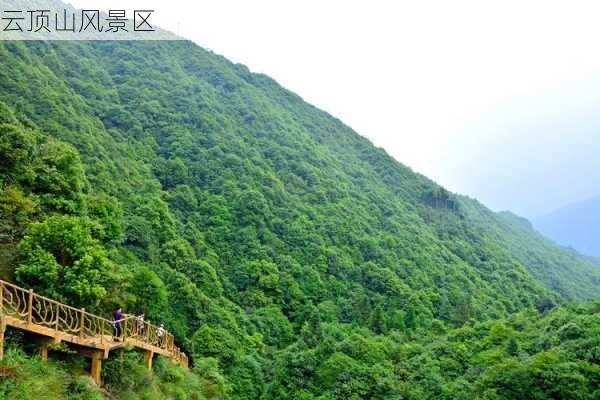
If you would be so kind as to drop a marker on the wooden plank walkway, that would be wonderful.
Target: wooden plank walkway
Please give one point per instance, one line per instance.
(91, 335)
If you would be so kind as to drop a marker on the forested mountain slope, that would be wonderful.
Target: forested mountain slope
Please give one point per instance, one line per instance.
(162, 177)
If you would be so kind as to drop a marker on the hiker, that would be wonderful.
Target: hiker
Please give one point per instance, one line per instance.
(139, 321)
(117, 317)
(161, 335)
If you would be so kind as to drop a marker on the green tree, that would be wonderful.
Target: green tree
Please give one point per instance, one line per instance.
(59, 177)
(149, 292)
(379, 323)
(60, 259)
(17, 147)
(216, 342)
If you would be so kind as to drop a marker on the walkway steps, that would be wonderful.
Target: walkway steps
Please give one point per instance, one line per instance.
(53, 322)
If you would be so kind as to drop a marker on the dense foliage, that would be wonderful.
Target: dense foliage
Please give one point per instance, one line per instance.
(63, 376)
(526, 356)
(290, 257)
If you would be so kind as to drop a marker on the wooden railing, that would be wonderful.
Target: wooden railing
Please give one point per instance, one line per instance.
(150, 335)
(32, 308)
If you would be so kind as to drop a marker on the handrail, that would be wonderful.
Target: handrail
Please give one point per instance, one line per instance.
(32, 308)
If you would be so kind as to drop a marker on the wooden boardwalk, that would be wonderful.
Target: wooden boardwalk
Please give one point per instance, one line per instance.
(49, 321)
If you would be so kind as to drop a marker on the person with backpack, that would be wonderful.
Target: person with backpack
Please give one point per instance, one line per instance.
(117, 317)
(140, 326)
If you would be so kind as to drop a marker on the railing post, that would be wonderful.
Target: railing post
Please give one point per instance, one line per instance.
(1, 320)
(124, 329)
(56, 322)
(1, 298)
(30, 308)
(81, 323)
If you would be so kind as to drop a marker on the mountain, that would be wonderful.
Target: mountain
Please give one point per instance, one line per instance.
(290, 257)
(576, 225)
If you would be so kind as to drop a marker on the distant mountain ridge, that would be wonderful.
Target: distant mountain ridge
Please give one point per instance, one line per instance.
(576, 225)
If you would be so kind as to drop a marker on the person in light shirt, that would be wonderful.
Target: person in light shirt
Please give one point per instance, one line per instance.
(161, 335)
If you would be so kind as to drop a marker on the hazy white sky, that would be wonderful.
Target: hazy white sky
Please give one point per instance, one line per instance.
(496, 100)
